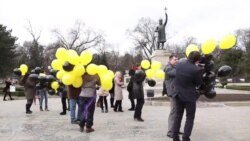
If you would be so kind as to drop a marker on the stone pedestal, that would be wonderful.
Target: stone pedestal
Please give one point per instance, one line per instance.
(161, 56)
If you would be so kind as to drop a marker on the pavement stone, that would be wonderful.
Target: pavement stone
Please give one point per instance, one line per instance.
(214, 122)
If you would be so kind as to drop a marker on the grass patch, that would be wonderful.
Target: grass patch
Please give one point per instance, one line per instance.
(234, 87)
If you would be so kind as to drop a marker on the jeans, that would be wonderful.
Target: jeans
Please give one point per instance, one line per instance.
(73, 103)
(43, 95)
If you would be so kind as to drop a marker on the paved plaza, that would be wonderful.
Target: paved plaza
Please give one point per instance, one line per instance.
(214, 122)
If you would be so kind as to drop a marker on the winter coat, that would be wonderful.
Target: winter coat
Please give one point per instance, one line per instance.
(29, 87)
(118, 88)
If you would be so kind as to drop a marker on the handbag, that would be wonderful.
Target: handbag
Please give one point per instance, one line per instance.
(12, 88)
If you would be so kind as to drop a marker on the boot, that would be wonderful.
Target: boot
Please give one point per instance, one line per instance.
(41, 108)
(46, 108)
(88, 130)
(112, 102)
(4, 98)
(28, 111)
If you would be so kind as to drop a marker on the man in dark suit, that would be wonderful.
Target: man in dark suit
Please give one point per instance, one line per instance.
(170, 73)
(188, 77)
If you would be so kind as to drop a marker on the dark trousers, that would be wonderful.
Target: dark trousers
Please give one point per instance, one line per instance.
(87, 107)
(112, 99)
(190, 108)
(104, 99)
(28, 104)
(138, 107)
(118, 105)
(7, 93)
(64, 106)
(132, 103)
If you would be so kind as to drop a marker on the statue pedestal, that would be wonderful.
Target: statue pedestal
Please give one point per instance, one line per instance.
(163, 57)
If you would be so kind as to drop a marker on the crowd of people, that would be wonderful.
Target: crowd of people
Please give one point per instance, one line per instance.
(82, 101)
(181, 80)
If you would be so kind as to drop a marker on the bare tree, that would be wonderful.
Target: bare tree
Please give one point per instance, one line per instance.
(144, 36)
(79, 38)
(31, 53)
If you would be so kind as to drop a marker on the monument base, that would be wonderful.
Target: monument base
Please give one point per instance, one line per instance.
(161, 56)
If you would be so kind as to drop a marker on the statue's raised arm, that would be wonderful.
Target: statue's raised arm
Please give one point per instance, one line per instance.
(166, 20)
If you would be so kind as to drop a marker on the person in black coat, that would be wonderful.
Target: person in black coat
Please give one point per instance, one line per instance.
(138, 93)
(130, 90)
(6, 89)
(188, 77)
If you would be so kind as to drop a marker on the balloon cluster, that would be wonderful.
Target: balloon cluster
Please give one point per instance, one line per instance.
(21, 71)
(206, 62)
(49, 82)
(71, 68)
(153, 70)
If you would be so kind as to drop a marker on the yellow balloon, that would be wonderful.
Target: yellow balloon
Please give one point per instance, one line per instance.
(150, 73)
(73, 57)
(111, 74)
(228, 41)
(106, 82)
(208, 46)
(156, 65)
(60, 74)
(160, 74)
(78, 82)
(91, 69)
(190, 48)
(68, 78)
(102, 69)
(61, 54)
(78, 70)
(145, 64)
(86, 57)
(23, 73)
(57, 64)
(54, 85)
(23, 68)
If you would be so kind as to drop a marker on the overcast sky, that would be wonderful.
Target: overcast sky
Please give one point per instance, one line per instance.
(202, 19)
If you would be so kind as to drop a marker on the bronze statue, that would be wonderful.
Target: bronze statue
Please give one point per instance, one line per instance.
(160, 29)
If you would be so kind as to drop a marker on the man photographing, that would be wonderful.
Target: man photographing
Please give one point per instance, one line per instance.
(188, 77)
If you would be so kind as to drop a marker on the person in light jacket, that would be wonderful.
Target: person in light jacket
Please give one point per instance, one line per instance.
(118, 92)
(87, 99)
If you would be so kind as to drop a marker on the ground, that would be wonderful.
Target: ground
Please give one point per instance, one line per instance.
(213, 122)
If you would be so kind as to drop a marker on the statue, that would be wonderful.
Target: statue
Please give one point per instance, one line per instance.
(160, 29)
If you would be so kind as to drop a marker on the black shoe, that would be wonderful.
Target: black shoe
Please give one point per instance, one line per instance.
(115, 110)
(185, 139)
(131, 109)
(11, 98)
(63, 113)
(4, 100)
(120, 111)
(28, 112)
(170, 135)
(139, 119)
